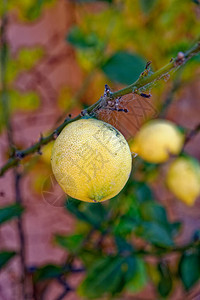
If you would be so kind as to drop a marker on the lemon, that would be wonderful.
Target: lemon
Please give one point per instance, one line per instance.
(46, 152)
(183, 179)
(91, 160)
(156, 140)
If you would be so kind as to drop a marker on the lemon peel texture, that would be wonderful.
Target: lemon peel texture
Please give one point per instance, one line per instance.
(91, 160)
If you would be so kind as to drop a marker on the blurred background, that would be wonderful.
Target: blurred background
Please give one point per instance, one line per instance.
(56, 57)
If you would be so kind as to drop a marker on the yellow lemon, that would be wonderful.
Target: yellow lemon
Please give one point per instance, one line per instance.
(183, 179)
(91, 160)
(156, 140)
(46, 152)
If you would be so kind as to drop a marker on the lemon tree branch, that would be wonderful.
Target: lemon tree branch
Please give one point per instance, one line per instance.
(144, 82)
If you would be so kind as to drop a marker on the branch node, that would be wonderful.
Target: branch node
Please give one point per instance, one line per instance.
(19, 154)
(83, 113)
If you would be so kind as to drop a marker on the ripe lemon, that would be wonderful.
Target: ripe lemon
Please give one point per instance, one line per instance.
(91, 160)
(156, 140)
(183, 179)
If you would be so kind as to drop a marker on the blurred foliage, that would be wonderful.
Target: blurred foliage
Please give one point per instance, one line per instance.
(10, 212)
(27, 10)
(5, 256)
(112, 240)
(189, 268)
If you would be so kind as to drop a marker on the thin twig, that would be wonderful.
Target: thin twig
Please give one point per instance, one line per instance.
(21, 233)
(143, 83)
(192, 133)
(66, 286)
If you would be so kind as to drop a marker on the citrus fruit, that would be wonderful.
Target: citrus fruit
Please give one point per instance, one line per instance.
(91, 160)
(183, 179)
(156, 140)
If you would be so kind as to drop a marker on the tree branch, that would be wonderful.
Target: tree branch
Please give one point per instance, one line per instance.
(21, 235)
(144, 82)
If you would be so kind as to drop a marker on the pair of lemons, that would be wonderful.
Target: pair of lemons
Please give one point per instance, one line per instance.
(92, 161)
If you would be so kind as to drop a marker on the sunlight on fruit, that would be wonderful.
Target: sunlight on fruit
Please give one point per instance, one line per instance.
(183, 179)
(157, 140)
(91, 160)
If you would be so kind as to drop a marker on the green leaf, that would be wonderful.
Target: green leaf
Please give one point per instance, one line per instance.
(107, 276)
(125, 226)
(92, 213)
(147, 5)
(103, 277)
(129, 268)
(189, 269)
(73, 206)
(123, 245)
(124, 67)
(5, 256)
(143, 192)
(48, 272)
(165, 282)
(9, 212)
(81, 40)
(155, 234)
(151, 211)
(140, 279)
(71, 243)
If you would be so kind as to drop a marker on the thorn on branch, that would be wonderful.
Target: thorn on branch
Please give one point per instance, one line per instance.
(55, 134)
(148, 64)
(136, 91)
(68, 118)
(145, 95)
(107, 91)
(118, 109)
(180, 59)
(146, 70)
